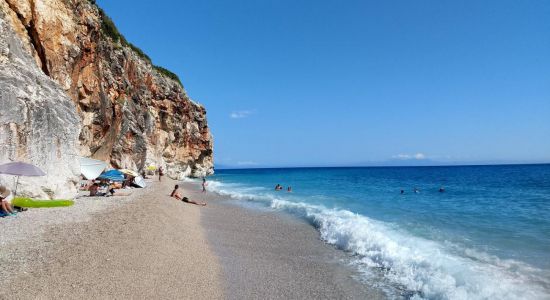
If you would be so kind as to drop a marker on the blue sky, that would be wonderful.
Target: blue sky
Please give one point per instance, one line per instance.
(306, 83)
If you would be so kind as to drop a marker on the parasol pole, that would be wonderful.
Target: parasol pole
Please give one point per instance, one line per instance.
(16, 184)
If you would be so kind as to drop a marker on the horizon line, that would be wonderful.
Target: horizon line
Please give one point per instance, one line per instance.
(381, 166)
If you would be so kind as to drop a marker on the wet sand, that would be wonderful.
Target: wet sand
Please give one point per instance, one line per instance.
(270, 255)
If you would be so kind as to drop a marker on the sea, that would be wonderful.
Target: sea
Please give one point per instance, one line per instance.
(486, 235)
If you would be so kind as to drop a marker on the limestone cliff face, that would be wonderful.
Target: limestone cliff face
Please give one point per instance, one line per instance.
(38, 121)
(132, 114)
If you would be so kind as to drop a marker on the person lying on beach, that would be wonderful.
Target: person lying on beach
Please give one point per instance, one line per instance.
(176, 194)
(107, 190)
(5, 201)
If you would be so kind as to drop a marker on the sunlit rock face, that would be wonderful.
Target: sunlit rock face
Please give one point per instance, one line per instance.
(130, 113)
(39, 123)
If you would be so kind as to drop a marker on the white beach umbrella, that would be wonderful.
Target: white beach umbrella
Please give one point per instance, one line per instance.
(91, 168)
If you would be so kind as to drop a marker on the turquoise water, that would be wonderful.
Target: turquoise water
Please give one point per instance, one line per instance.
(486, 237)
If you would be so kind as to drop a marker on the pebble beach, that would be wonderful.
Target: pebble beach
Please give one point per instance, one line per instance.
(148, 245)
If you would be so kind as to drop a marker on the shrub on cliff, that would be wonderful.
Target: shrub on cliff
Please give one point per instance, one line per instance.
(109, 28)
(168, 73)
(139, 52)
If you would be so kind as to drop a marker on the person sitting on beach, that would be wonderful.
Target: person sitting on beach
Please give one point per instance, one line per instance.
(104, 189)
(5, 201)
(98, 191)
(127, 181)
(176, 194)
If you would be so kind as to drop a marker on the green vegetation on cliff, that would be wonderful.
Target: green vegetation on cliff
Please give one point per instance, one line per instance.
(109, 28)
(168, 73)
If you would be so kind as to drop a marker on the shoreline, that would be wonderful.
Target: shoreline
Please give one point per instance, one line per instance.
(150, 245)
(268, 254)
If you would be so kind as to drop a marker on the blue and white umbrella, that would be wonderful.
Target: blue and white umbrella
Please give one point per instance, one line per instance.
(114, 175)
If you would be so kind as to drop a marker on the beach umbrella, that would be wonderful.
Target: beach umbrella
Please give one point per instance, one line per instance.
(129, 172)
(18, 168)
(114, 175)
(91, 168)
(139, 181)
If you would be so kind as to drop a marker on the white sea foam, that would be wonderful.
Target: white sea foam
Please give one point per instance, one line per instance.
(424, 269)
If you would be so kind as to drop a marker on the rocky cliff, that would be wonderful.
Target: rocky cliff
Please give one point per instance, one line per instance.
(132, 114)
(38, 121)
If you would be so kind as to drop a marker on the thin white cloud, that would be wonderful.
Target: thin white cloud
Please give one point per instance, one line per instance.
(419, 156)
(404, 156)
(240, 114)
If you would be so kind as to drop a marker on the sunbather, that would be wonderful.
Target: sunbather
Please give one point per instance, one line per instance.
(5, 201)
(176, 194)
(94, 190)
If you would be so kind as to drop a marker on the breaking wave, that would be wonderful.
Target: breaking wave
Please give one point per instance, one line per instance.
(404, 265)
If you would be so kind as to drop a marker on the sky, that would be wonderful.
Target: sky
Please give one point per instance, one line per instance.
(342, 83)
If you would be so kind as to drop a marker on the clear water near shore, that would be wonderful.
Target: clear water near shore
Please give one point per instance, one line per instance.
(486, 237)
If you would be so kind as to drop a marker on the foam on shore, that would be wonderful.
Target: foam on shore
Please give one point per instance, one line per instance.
(403, 264)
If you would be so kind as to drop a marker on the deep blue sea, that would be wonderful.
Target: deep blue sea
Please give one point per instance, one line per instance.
(487, 236)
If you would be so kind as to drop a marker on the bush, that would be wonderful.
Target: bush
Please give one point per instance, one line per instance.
(109, 28)
(139, 52)
(168, 73)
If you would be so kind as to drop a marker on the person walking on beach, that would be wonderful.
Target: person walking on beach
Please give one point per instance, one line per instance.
(204, 185)
(161, 173)
(176, 194)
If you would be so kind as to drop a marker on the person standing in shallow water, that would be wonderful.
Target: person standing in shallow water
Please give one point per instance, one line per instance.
(204, 185)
